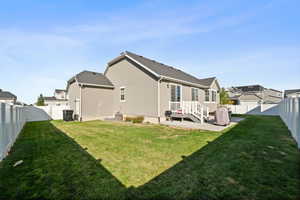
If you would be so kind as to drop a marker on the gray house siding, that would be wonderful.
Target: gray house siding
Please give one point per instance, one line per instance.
(96, 103)
(140, 89)
(213, 105)
(74, 93)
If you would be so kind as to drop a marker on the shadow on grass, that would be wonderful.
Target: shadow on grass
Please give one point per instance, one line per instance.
(254, 160)
(250, 161)
(55, 167)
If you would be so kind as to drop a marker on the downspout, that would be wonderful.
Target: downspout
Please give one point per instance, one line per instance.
(158, 99)
(80, 107)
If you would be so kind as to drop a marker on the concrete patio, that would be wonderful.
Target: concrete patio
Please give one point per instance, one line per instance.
(210, 126)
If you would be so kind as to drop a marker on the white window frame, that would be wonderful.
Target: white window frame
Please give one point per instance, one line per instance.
(193, 88)
(124, 89)
(208, 96)
(171, 91)
(211, 95)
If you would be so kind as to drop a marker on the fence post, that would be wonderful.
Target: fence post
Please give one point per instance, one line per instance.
(298, 122)
(2, 121)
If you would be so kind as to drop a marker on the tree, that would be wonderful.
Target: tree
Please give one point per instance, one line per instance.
(224, 98)
(40, 101)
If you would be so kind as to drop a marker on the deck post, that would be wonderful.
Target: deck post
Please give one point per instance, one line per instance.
(207, 112)
(201, 120)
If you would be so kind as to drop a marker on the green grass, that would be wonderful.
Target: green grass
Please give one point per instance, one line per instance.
(257, 159)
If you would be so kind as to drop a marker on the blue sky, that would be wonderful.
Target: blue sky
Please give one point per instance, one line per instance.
(44, 43)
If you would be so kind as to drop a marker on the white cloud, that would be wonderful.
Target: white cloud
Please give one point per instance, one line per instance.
(32, 63)
(136, 25)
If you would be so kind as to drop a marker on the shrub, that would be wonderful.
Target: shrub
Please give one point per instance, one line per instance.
(138, 119)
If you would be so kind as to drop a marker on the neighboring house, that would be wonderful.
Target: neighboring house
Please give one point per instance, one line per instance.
(134, 85)
(7, 97)
(59, 98)
(292, 93)
(60, 94)
(253, 95)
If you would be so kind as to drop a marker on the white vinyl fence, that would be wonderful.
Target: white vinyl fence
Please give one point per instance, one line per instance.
(12, 120)
(254, 109)
(55, 112)
(42, 113)
(241, 109)
(289, 111)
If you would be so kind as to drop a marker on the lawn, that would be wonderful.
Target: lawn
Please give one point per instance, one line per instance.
(256, 159)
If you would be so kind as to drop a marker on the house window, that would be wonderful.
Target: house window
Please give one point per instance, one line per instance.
(213, 95)
(207, 95)
(122, 94)
(175, 93)
(195, 96)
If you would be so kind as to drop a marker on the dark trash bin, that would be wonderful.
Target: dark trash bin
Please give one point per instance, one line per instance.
(68, 115)
(168, 114)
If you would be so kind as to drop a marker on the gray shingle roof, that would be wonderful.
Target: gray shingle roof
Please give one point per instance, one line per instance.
(7, 95)
(167, 71)
(250, 88)
(287, 92)
(60, 90)
(53, 99)
(91, 78)
(207, 81)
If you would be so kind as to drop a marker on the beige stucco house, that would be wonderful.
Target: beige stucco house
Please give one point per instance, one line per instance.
(137, 86)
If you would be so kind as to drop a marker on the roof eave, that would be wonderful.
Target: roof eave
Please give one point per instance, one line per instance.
(185, 82)
(137, 62)
(95, 85)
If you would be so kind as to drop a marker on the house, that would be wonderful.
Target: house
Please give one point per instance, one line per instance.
(253, 95)
(134, 85)
(7, 97)
(292, 93)
(60, 94)
(59, 99)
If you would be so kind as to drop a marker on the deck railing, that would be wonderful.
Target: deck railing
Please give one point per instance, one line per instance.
(190, 107)
(174, 106)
